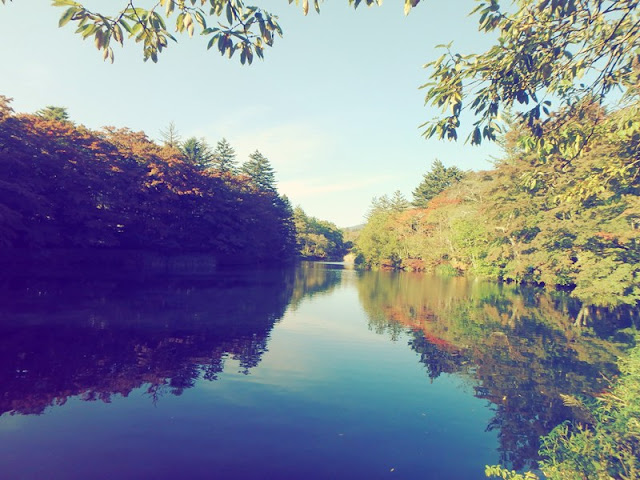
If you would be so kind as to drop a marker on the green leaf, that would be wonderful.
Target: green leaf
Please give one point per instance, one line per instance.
(229, 14)
(125, 25)
(477, 137)
(64, 3)
(169, 8)
(66, 16)
(201, 20)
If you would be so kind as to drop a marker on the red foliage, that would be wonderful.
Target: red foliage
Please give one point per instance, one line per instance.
(441, 201)
(414, 264)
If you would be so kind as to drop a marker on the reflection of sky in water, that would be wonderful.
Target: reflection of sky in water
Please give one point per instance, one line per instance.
(329, 398)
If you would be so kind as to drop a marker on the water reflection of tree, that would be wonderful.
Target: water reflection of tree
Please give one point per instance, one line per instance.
(313, 278)
(98, 338)
(517, 347)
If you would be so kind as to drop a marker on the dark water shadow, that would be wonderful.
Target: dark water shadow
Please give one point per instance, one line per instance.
(95, 337)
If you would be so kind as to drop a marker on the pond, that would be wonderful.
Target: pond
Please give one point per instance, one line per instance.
(310, 372)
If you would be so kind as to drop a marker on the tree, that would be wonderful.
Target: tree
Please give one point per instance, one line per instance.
(5, 107)
(288, 243)
(170, 136)
(259, 169)
(197, 152)
(379, 205)
(398, 202)
(316, 238)
(434, 182)
(224, 157)
(575, 226)
(51, 112)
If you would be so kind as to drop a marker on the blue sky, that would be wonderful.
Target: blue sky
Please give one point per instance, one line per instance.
(335, 105)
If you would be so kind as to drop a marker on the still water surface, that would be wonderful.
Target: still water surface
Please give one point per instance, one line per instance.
(313, 372)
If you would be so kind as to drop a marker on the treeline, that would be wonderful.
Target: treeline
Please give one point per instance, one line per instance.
(64, 186)
(318, 239)
(535, 218)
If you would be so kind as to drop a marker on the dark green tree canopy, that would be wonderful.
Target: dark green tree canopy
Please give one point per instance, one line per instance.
(197, 152)
(51, 112)
(259, 169)
(224, 157)
(435, 181)
(317, 238)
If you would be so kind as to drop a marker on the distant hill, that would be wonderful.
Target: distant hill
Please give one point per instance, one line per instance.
(355, 228)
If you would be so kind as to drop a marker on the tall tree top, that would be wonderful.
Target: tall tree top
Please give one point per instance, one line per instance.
(51, 112)
(224, 157)
(171, 136)
(259, 169)
(5, 107)
(435, 181)
(398, 202)
(197, 152)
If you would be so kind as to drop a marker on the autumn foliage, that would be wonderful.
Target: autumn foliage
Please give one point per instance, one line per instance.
(572, 223)
(64, 186)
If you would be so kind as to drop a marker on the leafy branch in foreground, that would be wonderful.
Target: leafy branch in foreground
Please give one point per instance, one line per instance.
(569, 52)
(547, 51)
(246, 29)
(238, 27)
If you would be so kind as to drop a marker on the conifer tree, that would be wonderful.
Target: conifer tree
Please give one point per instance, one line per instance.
(224, 157)
(259, 169)
(5, 107)
(171, 136)
(197, 152)
(51, 112)
(434, 182)
(398, 202)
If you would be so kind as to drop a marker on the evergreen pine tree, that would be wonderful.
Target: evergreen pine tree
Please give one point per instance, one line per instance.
(285, 213)
(224, 157)
(259, 169)
(434, 182)
(170, 136)
(51, 112)
(197, 152)
(398, 202)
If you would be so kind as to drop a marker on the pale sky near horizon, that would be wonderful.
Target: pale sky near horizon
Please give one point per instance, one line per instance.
(335, 105)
